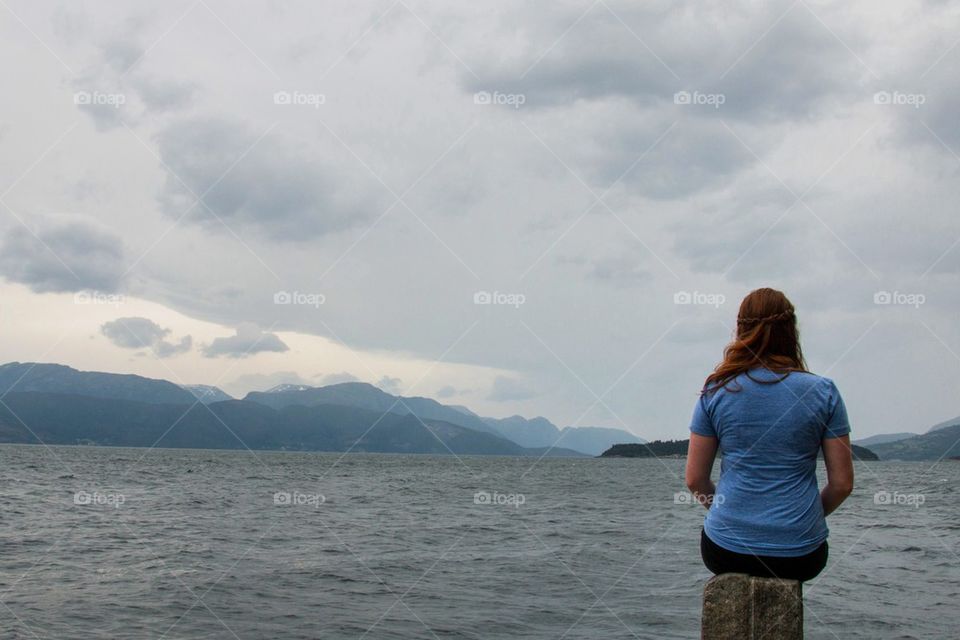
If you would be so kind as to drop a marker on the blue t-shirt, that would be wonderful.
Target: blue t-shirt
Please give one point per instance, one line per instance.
(767, 501)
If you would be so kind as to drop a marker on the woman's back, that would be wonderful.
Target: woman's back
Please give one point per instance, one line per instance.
(769, 433)
(768, 417)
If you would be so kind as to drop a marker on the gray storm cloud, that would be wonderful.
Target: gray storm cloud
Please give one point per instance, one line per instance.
(597, 172)
(249, 340)
(63, 256)
(143, 333)
(257, 179)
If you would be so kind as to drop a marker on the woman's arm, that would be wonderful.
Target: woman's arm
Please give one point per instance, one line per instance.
(700, 457)
(839, 461)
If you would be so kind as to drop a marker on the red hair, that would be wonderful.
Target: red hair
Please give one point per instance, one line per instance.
(767, 336)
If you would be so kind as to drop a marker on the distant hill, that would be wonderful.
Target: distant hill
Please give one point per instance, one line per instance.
(532, 432)
(945, 424)
(861, 453)
(82, 419)
(57, 378)
(595, 440)
(678, 448)
(655, 449)
(207, 394)
(939, 442)
(883, 438)
(540, 432)
(367, 396)
(237, 424)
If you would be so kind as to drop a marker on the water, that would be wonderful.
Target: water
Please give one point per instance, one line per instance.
(191, 544)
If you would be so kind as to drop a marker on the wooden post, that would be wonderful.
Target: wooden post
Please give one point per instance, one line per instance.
(740, 607)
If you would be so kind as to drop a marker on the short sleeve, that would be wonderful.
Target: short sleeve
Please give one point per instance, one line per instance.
(701, 423)
(837, 424)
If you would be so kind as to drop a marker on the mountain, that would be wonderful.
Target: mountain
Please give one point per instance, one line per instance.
(944, 425)
(937, 443)
(540, 432)
(595, 440)
(207, 394)
(86, 416)
(288, 386)
(52, 418)
(883, 438)
(367, 396)
(535, 432)
(655, 449)
(57, 378)
(678, 449)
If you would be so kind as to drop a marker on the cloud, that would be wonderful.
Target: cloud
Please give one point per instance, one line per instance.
(263, 381)
(664, 160)
(115, 91)
(390, 385)
(920, 99)
(446, 392)
(121, 53)
(505, 389)
(622, 50)
(698, 211)
(254, 178)
(107, 110)
(159, 94)
(143, 333)
(249, 340)
(741, 229)
(58, 257)
(336, 378)
(622, 271)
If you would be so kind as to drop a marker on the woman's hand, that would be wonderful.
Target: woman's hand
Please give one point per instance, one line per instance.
(700, 457)
(839, 460)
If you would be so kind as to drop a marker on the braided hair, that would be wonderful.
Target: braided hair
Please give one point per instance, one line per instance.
(767, 337)
(787, 314)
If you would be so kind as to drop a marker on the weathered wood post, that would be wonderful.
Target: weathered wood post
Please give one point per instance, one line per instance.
(740, 607)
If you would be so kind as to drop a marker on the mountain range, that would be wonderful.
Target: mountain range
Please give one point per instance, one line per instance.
(533, 433)
(56, 404)
(883, 438)
(940, 441)
(540, 432)
(57, 378)
(54, 418)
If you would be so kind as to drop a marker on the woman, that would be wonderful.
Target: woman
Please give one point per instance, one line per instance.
(769, 417)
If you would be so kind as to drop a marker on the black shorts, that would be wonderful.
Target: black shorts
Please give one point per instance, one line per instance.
(802, 568)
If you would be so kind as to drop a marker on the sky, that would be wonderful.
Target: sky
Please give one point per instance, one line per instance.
(525, 208)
